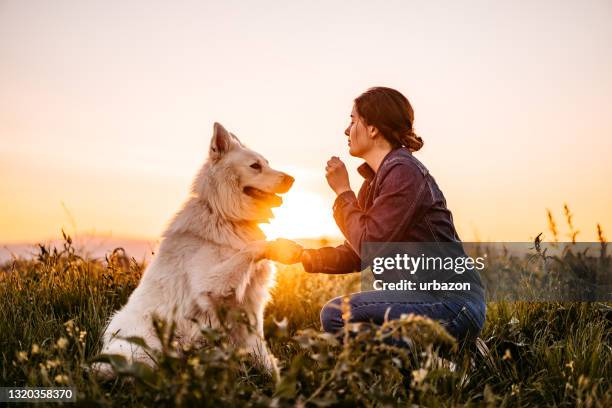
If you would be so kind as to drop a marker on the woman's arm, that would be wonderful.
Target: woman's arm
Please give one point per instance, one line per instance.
(341, 259)
(398, 204)
(331, 260)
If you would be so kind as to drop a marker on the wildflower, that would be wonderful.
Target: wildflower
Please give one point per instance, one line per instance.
(61, 343)
(552, 225)
(35, 349)
(353, 327)
(515, 389)
(194, 361)
(419, 375)
(346, 309)
(52, 363)
(69, 326)
(61, 379)
(282, 325)
(22, 356)
(507, 355)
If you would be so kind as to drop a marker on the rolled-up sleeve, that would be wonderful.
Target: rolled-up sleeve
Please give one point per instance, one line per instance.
(395, 208)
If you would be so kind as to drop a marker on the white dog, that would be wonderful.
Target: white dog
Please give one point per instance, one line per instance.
(211, 256)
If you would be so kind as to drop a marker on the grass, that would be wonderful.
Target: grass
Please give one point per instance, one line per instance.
(53, 308)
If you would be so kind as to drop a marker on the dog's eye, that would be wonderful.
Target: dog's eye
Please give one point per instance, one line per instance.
(256, 166)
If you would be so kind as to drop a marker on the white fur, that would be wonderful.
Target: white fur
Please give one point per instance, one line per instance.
(211, 256)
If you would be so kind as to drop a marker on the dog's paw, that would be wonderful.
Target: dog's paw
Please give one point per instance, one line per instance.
(284, 251)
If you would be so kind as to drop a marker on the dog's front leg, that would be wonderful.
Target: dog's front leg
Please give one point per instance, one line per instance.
(231, 275)
(259, 350)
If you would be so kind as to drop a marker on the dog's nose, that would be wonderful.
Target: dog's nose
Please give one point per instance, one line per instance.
(286, 182)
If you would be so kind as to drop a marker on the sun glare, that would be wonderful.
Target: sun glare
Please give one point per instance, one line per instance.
(303, 215)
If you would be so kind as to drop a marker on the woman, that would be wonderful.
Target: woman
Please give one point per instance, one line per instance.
(399, 201)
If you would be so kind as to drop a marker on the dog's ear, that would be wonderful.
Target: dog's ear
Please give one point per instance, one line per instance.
(221, 142)
(236, 139)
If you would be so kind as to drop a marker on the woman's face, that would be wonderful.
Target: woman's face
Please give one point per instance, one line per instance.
(359, 139)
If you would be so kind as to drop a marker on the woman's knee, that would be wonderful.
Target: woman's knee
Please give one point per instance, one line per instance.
(331, 316)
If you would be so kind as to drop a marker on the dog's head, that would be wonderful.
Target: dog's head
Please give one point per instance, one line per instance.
(237, 182)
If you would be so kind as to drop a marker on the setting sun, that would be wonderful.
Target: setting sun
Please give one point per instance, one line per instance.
(303, 214)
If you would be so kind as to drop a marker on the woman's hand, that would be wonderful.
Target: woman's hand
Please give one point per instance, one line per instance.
(284, 251)
(337, 176)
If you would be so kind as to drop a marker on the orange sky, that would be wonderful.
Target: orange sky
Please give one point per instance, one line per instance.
(106, 108)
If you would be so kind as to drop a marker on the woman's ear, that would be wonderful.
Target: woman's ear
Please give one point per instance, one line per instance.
(373, 131)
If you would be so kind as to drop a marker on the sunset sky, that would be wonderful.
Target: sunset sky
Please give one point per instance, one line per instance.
(106, 108)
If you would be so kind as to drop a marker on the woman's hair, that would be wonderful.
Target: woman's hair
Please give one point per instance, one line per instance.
(390, 112)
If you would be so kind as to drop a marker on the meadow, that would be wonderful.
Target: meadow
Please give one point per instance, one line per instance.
(53, 309)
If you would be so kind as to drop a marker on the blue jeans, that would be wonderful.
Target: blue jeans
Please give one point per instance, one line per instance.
(463, 319)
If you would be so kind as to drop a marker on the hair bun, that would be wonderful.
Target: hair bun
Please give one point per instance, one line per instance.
(413, 142)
